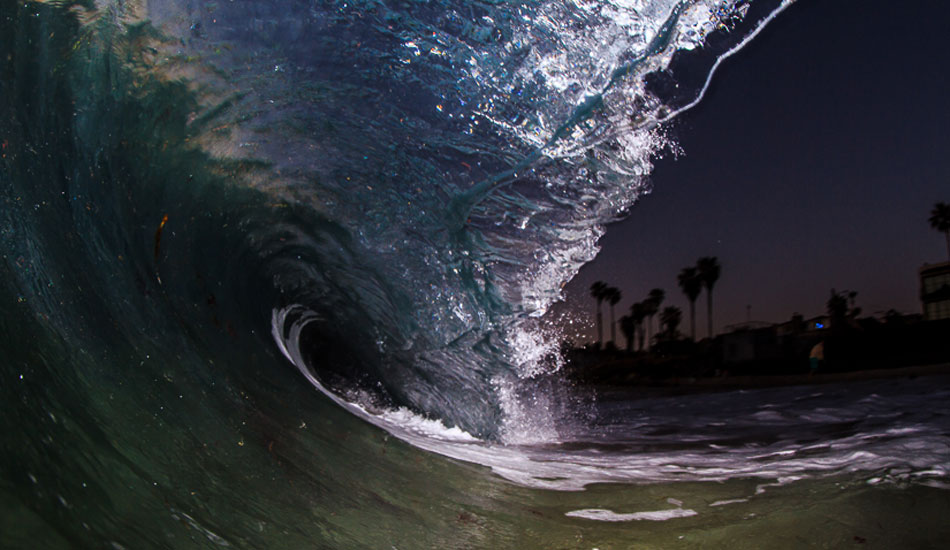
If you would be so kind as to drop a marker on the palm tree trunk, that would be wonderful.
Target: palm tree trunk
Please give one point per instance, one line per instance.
(613, 325)
(649, 326)
(709, 312)
(600, 326)
(692, 319)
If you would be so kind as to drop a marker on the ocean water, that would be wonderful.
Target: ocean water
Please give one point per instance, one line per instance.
(272, 275)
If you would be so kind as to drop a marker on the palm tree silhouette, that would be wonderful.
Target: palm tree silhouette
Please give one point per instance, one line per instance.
(597, 292)
(653, 301)
(708, 269)
(691, 285)
(837, 306)
(670, 318)
(841, 307)
(628, 327)
(940, 220)
(612, 297)
(638, 312)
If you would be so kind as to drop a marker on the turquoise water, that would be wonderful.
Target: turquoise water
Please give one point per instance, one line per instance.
(272, 273)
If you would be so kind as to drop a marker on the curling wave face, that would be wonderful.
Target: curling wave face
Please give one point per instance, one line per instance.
(454, 162)
(394, 193)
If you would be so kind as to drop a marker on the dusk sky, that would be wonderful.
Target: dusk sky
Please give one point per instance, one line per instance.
(812, 163)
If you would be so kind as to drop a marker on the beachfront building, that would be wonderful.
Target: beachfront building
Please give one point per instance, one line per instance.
(750, 341)
(935, 291)
(799, 325)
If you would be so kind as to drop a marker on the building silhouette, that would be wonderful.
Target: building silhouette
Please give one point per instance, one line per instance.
(935, 291)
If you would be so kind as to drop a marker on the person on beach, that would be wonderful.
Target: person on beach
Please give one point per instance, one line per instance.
(816, 356)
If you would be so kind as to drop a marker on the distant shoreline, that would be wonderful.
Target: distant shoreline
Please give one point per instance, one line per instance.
(728, 382)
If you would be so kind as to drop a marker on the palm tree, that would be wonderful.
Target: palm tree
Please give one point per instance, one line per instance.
(940, 220)
(597, 292)
(837, 306)
(841, 309)
(691, 285)
(612, 297)
(670, 318)
(628, 327)
(638, 312)
(653, 301)
(708, 269)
